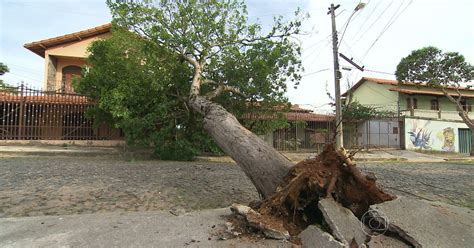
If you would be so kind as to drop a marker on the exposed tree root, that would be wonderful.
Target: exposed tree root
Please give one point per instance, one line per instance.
(330, 174)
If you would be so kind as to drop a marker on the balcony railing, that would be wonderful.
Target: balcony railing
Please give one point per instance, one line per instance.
(435, 114)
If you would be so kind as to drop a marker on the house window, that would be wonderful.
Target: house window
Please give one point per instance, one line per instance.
(69, 73)
(415, 103)
(466, 106)
(434, 104)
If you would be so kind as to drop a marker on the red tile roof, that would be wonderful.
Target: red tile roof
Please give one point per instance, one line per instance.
(291, 116)
(39, 47)
(375, 80)
(396, 83)
(296, 108)
(45, 99)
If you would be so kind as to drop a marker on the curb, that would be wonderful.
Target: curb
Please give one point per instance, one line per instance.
(57, 153)
(226, 159)
(471, 160)
(223, 159)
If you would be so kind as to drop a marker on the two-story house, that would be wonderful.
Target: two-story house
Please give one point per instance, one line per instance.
(428, 119)
(65, 55)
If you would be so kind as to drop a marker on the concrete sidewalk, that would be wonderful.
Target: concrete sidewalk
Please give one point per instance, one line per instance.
(130, 229)
(49, 150)
(389, 155)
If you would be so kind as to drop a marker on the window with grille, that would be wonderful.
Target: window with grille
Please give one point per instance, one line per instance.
(415, 103)
(466, 106)
(434, 104)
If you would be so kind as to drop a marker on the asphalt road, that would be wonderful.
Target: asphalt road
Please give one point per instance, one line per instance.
(35, 186)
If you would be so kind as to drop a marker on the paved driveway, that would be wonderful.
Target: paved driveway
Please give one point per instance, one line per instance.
(31, 186)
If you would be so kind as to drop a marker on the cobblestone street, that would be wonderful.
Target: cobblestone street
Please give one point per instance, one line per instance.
(32, 186)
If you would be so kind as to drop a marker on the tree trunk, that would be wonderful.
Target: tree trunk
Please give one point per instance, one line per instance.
(265, 166)
(463, 113)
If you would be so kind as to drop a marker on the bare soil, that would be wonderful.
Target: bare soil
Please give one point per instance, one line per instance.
(331, 174)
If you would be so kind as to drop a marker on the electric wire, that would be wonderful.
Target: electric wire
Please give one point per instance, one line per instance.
(389, 24)
(368, 17)
(315, 72)
(357, 13)
(375, 21)
(381, 72)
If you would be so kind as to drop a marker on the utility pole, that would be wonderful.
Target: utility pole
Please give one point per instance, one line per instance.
(337, 77)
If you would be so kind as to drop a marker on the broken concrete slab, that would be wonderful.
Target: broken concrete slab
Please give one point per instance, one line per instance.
(383, 241)
(343, 223)
(312, 236)
(271, 227)
(427, 224)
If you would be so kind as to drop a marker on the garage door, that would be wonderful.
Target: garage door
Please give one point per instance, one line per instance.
(464, 140)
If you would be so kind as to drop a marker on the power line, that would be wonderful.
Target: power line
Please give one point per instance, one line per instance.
(387, 26)
(319, 53)
(27, 71)
(368, 17)
(328, 41)
(27, 68)
(375, 21)
(317, 42)
(314, 72)
(381, 72)
(356, 9)
(23, 77)
(384, 28)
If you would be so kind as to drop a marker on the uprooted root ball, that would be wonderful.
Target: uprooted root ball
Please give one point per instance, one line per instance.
(330, 174)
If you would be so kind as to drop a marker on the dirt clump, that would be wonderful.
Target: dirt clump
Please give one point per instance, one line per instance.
(294, 205)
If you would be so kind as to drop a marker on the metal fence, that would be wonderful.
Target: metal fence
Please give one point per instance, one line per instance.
(29, 114)
(373, 133)
(302, 136)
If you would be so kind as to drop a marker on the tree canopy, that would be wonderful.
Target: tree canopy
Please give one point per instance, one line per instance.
(432, 66)
(163, 52)
(3, 69)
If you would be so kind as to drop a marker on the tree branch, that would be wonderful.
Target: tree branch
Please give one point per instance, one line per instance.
(196, 81)
(462, 113)
(221, 88)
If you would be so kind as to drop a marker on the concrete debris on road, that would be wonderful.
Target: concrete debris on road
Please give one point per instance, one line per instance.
(315, 237)
(344, 225)
(272, 228)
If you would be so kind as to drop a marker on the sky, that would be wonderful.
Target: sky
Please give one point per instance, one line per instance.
(376, 37)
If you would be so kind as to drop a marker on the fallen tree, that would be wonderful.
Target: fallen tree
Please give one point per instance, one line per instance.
(231, 59)
(226, 60)
(261, 163)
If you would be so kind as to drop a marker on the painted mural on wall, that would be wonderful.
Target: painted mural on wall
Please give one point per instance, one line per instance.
(432, 135)
(420, 138)
(449, 139)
